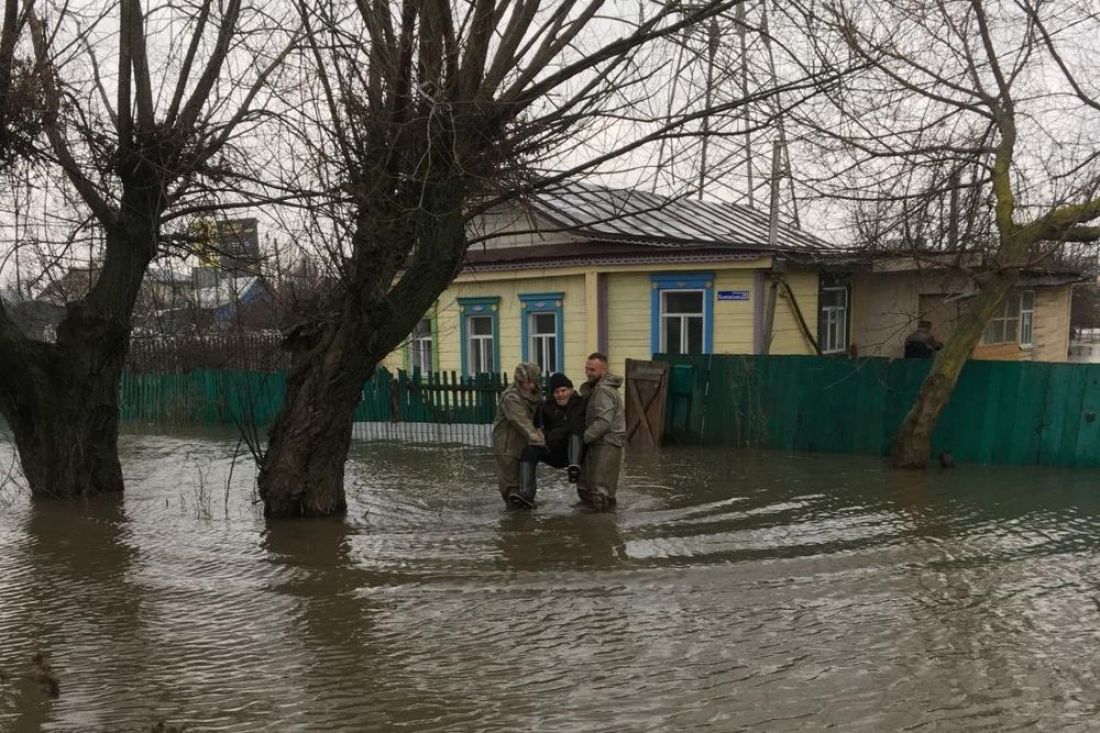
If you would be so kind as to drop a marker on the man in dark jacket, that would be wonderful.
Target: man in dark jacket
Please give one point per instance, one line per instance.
(561, 419)
(921, 344)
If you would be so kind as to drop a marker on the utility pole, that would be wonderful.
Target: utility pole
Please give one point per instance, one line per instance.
(777, 106)
(746, 120)
(708, 96)
(773, 198)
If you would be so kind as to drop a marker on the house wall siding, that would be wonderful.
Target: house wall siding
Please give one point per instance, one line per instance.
(787, 335)
(733, 319)
(629, 318)
(1052, 310)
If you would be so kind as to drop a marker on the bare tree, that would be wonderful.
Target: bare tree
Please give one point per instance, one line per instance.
(142, 106)
(430, 113)
(969, 141)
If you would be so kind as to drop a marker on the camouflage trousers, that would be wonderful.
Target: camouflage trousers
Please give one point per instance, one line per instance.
(507, 475)
(600, 475)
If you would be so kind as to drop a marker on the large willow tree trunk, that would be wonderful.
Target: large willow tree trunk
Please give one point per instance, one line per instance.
(303, 470)
(64, 416)
(61, 399)
(912, 445)
(406, 252)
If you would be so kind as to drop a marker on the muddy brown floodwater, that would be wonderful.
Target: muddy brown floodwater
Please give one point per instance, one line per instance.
(731, 590)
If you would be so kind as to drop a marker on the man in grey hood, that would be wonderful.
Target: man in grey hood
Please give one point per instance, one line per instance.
(514, 429)
(604, 435)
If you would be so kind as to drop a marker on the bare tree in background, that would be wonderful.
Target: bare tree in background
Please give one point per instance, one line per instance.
(142, 105)
(431, 112)
(972, 140)
(20, 88)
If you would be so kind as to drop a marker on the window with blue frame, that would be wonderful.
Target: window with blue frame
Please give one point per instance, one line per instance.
(479, 329)
(682, 313)
(541, 330)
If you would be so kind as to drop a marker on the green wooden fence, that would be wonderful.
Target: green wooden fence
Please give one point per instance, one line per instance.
(1001, 412)
(229, 397)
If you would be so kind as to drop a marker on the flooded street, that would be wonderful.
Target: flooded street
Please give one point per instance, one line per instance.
(730, 589)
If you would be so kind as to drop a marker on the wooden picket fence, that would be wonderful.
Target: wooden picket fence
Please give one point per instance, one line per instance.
(435, 407)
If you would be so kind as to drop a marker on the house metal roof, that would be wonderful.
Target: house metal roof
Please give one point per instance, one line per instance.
(629, 215)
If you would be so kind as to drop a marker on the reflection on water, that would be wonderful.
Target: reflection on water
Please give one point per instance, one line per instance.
(731, 589)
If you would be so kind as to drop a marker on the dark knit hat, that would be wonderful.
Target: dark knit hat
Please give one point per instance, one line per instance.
(557, 379)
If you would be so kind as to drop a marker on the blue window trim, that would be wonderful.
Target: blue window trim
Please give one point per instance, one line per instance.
(542, 303)
(682, 281)
(489, 306)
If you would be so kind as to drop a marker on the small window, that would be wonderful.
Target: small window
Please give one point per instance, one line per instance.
(480, 344)
(1015, 321)
(682, 321)
(543, 347)
(833, 320)
(420, 347)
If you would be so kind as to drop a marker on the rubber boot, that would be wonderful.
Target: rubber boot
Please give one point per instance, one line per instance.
(525, 497)
(574, 448)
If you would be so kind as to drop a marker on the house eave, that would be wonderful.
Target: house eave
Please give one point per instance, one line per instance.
(665, 257)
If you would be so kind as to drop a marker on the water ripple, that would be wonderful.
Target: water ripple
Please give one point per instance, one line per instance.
(731, 591)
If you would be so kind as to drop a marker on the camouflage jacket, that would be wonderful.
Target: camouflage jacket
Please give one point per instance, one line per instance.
(604, 415)
(513, 428)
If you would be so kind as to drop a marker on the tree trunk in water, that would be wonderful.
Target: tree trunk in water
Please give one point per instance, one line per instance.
(61, 400)
(303, 469)
(63, 409)
(912, 446)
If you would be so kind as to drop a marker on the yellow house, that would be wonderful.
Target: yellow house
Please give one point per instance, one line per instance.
(584, 268)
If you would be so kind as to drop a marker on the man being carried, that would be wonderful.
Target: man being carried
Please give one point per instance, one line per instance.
(561, 419)
(604, 434)
(514, 429)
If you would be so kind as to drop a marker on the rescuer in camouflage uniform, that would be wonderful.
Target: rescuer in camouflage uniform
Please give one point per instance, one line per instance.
(604, 435)
(514, 429)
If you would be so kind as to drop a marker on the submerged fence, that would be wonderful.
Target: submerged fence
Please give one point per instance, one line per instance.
(1000, 412)
(436, 407)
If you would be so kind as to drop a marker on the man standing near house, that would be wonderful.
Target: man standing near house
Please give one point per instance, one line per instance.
(514, 429)
(921, 344)
(604, 434)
